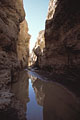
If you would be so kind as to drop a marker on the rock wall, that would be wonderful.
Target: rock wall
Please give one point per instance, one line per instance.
(40, 41)
(32, 59)
(38, 49)
(62, 35)
(12, 22)
(12, 16)
(23, 44)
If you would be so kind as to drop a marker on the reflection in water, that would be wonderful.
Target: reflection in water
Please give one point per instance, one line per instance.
(17, 108)
(21, 89)
(46, 100)
(58, 103)
(34, 111)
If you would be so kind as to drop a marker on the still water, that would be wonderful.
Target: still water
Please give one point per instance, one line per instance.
(34, 110)
(44, 100)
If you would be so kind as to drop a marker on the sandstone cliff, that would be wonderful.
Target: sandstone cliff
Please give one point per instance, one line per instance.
(38, 49)
(12, 23)
(11, 14)
(32, 58)
(62, 36)
(23, 44)
(12, 17)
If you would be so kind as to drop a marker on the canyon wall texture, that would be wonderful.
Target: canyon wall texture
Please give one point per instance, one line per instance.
(12, 22)
(62, 36)
(14, 44)
(38, 49)
(32, 59)
(23, 44)
(11, 14)
(40, 44)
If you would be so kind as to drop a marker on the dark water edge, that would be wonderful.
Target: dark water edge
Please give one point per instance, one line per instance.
(9, 114)
(37, 98)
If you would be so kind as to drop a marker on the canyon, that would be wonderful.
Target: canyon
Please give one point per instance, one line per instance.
(56, 57)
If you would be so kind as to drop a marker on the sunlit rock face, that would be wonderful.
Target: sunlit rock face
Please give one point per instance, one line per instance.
(51, 9)
(38, 48)
(62, 35)
(40, 41)
(12, 22)
(11, 14)
(23, 44)
(32, 59)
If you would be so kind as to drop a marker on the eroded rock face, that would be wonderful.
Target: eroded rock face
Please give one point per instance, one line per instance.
(32, 58)
(40, 41)
(35, 57)
(11, 14)
(12, 23)
(23, 44)
(62, 35)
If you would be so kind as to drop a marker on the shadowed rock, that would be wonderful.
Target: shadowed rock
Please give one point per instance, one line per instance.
(62, 36)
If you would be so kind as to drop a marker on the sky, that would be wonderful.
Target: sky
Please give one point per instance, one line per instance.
(36, 13)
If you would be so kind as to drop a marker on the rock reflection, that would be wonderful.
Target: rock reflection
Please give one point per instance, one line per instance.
(21, 89)
(58, 102)
(14, 100)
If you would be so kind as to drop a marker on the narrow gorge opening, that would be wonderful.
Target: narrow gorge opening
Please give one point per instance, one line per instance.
(36, 14)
